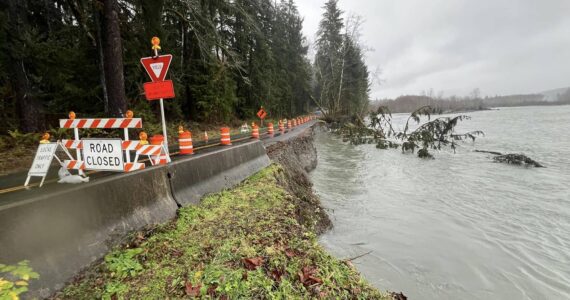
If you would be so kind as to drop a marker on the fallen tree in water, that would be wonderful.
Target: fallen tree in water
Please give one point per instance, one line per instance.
(513, 158)
(432, 135)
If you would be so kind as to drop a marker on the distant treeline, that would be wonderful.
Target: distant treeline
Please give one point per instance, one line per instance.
(409, 103)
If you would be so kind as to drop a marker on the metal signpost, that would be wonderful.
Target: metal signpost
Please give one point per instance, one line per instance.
(157, 66)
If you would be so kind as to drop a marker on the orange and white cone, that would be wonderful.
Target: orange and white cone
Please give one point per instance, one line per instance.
(255, 132)
(185, 142)
(225, 138)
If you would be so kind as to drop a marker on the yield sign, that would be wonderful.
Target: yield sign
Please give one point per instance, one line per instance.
(157, 66)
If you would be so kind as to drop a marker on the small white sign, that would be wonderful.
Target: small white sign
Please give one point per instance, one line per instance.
(157, 68)
(103, 154)
(43, 159)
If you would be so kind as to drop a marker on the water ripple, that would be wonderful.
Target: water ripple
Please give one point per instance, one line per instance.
(459, 226)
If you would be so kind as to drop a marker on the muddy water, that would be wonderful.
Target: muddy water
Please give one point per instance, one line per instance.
(459, 226)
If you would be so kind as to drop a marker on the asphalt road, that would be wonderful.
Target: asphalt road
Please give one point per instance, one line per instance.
(12, 189)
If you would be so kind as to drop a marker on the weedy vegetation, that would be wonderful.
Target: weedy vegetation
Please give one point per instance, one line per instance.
(245, 243)
(14, 280)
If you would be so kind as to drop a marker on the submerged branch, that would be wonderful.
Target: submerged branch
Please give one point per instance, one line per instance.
(513, 158)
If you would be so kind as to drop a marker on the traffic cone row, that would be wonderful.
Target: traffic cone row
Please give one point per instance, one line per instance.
(185, 137)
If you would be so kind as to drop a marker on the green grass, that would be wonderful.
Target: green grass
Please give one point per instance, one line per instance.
(238, 244)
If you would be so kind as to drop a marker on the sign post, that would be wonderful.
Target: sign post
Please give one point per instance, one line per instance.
(157, 66)
(261, 114)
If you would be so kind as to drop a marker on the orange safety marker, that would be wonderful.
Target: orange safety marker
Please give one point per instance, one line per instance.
(281, 127)
(255, 132)
(270, 129)
(205, 136)
(185, 142)
(289, 124)
(160, 158)
(294, 122)
(225, 138)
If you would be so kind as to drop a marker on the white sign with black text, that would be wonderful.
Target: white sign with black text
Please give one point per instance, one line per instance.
(42, 162)
(43, 159)
(103, 154)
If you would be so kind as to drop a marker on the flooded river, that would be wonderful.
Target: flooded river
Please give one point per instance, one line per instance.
(458, 226)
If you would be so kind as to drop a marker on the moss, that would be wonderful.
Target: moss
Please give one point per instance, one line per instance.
(241, 243)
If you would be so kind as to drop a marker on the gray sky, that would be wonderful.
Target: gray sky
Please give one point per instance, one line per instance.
(500, 46)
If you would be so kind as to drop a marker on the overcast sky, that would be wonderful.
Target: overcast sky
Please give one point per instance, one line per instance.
(499, 46)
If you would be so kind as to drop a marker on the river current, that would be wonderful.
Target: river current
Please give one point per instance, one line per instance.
(459, 226)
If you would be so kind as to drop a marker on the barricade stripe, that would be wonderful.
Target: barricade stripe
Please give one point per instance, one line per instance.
(108, 123)
(125, 123)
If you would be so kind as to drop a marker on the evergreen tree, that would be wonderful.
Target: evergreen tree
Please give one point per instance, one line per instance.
(230, 57)
(341, 77)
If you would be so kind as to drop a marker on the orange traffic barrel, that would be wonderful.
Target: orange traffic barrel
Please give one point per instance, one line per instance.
(162, 158)
(294, 122)
(205, 136)
(255, 132)
(289, 125)
(225, 136)
(281, 127)
(270, 129)
(185, 142)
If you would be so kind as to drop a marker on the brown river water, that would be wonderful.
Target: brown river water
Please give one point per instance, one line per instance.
(459, 226)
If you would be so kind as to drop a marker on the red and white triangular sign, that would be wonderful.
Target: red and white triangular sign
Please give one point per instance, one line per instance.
(157, 66)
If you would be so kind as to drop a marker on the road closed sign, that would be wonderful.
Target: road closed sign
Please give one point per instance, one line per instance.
(103, 154)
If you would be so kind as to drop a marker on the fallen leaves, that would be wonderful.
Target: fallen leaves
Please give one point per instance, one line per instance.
(192, 291)
(276, 274)
(253, 263)
(290, 253)
(308, 277)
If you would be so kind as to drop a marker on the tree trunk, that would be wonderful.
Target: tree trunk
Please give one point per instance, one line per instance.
(28, 107)
(101, 65)
(113, 58)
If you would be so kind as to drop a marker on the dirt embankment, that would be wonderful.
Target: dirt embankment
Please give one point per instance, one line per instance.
(298, 156)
